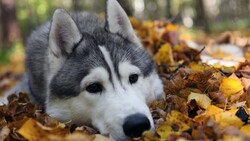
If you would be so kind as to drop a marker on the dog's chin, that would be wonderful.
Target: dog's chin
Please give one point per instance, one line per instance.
(117, 138)
(113, 135)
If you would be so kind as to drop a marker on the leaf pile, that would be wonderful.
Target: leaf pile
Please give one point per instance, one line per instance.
(201, 102)
(22, 120)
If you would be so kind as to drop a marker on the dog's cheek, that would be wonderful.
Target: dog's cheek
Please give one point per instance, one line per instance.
(154, 88)
(58, 110)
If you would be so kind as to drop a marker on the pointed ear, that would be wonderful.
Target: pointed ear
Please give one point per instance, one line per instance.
(118, 22)
(63, 33)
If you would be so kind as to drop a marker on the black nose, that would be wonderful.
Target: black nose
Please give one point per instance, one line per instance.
(135, 125)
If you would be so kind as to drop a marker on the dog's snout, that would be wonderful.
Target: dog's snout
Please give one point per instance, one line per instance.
(134, 125)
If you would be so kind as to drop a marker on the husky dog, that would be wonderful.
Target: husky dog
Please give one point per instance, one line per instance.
(89, 71)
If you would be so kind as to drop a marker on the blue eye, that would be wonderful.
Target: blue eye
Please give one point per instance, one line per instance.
(94, 88)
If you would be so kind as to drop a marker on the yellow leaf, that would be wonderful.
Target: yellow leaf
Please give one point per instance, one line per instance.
(232, 138)
(245, 129)
(164, 131)
(175, 123)
(230, 86)
(178, 48)
(164, 55)
(212, 110)
(148, 136)
(31, 130)
(135, 23)
(72, 137)
(233, 111)
(227, 118)
(199, 67)
(202, 100)
(181, 117)
(223, 118)
(171, 27)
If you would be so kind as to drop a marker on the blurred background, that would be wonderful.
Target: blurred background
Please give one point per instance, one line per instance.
(19, 17)
(205, 22)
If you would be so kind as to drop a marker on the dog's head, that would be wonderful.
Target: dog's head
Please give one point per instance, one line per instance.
(100, 74)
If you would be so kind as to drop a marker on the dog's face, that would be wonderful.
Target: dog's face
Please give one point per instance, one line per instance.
(103, 77)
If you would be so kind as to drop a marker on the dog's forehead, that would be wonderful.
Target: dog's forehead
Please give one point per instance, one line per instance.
(122, 50)
(88, 56)
(119, 49)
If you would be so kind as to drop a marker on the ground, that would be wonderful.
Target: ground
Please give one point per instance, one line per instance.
(204, 98)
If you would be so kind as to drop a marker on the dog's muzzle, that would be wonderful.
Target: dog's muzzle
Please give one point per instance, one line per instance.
(134, 125)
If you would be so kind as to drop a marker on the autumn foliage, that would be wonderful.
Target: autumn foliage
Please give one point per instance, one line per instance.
(201, 101)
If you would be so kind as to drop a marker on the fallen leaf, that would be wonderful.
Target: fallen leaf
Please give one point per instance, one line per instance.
(245, 129)
(32, 131)
(230, 86)
(176, 103)
(226, 119)
(202, 100)
(164, 55)
(245, 83)
(175, 123)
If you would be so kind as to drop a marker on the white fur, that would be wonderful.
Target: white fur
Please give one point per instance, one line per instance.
(119, 22)
(70, 32)
(110, 64)
(108, 109)
(152, 84)
(62, 19)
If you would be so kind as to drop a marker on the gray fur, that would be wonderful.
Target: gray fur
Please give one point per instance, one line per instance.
(67, 56)
(66, 83)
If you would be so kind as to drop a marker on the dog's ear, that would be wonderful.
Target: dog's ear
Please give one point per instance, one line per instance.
(64, 33)
(118, 22)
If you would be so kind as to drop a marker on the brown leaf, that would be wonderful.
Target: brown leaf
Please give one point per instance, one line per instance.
(176, 103)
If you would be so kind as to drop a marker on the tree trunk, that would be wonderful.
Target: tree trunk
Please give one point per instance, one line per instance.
(201, 18)
(1, 30)
(10, 29)
(77, 5)
(168, 9)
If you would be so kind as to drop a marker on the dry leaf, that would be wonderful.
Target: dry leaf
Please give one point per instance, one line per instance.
(202, 100)
(32, 131)
(164, 55)
(245, 129)
(230, 86)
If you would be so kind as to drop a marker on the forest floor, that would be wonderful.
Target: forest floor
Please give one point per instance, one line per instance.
(206, 81)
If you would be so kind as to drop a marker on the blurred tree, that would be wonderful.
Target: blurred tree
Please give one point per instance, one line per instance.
(76, 4)
(126, 6)
(1, 30)
(10, 29)
(168, 8)
(201, 18)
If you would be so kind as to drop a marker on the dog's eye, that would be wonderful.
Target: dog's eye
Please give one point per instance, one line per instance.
(94, 88)
(133, 78)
